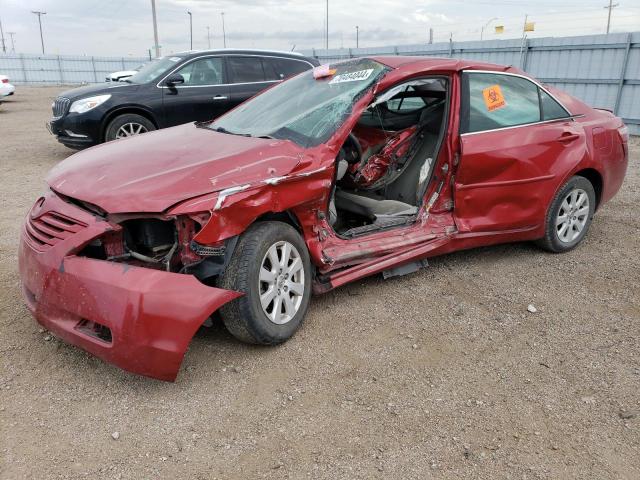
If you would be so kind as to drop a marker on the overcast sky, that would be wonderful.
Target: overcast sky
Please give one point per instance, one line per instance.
(124, 27)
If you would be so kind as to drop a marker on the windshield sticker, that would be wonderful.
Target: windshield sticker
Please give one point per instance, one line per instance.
(493, 98)
(352, 76)
(323, 71)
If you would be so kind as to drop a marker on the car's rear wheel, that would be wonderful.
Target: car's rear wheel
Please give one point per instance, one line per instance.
(128, 125)
(271, 267)
(569, 215)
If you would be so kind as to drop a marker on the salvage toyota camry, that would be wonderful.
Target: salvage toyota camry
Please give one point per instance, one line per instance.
(344, 171)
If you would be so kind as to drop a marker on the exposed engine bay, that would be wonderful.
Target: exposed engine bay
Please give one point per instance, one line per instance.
(385, 165)
(162, 244)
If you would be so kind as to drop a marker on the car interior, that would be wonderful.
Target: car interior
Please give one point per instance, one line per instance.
(385, 165)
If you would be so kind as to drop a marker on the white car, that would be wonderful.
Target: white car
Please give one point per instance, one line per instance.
(6, 88)
(122, 75)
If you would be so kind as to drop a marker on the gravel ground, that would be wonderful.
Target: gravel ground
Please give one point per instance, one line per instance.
(440, 374)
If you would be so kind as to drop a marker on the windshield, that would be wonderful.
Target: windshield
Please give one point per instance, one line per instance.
(154, 69)
(305, 109)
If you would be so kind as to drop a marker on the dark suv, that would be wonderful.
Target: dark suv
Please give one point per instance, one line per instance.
(168, 91)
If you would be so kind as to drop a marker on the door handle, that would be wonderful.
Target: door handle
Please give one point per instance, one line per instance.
(220, 97)
(568, 137)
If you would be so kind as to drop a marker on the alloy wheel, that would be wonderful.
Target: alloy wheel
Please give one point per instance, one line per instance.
(130, 129)
(281, 282)
(572, 215)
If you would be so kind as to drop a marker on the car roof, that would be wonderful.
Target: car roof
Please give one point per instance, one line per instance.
(439, 63)
(252, 51)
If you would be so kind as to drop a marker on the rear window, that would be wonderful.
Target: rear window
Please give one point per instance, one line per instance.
(246, 69)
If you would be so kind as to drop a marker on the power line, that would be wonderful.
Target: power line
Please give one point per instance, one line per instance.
(4, 47)
(13, 45)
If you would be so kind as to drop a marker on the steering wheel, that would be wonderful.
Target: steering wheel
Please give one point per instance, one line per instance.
(358, 149)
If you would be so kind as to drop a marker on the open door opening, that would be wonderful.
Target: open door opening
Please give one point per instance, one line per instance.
(385, 165)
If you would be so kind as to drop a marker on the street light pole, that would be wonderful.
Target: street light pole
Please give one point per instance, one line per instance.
(357, 36)
(485, 26)
(326, 40)
(224, 35)
(190, 30)
(209, 37)
(155, 28)
(39, 14)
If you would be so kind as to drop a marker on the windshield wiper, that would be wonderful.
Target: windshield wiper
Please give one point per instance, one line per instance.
(224, 130)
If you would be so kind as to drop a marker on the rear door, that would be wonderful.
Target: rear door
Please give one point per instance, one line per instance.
(517, 143)
(203, 96)
(247, 77)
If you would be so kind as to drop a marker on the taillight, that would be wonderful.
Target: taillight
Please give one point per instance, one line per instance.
(624, 133)
(5, 80)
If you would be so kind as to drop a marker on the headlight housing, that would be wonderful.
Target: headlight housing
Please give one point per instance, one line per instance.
(86, 104)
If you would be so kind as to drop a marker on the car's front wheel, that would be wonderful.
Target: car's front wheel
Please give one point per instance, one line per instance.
(271, 266)
(569, 215)
(127, 125)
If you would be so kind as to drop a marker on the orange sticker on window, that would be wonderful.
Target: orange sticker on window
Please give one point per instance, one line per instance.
(493, 98)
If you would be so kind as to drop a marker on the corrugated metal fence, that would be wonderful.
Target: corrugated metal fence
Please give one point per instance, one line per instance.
(63, 69)
(602, 70)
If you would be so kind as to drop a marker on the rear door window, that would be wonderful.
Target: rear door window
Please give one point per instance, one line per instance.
(245, 69)
(281, 68)
(497, 101)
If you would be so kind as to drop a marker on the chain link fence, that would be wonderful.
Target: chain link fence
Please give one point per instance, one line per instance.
(63, 69)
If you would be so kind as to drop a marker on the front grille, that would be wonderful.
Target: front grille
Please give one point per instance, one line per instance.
(45, 231)
(60, 107)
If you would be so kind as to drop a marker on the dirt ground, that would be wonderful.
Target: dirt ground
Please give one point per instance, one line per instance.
(440, 374)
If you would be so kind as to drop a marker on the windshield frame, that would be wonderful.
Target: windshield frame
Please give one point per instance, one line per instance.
(161, 74)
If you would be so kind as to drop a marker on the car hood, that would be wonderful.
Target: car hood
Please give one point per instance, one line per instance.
(99, 89)
(154, 171)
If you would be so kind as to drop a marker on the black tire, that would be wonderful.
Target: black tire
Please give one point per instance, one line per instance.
(244, 317)
(552, 241)
(121, 120)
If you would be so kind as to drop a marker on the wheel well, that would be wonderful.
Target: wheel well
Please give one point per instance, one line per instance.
(124, 111)
(596, 180)
(285, 217)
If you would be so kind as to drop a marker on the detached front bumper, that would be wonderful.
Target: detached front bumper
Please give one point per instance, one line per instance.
(140, 319)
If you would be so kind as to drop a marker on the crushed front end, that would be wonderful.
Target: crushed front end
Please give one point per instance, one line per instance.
(132, 290)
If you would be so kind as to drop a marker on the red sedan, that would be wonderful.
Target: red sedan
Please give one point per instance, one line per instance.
(351, 169)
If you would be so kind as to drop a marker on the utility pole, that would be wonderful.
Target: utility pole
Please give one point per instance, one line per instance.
(430, 35)
(4, 47)
(190, 30)
(39, 14)
(155, 27)
(610, 7)
(357, 37)
(209, 37)
(13, 45)
(224, 35)
(326, 24)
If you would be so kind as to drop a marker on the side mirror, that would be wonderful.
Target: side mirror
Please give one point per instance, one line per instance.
(174, 79)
